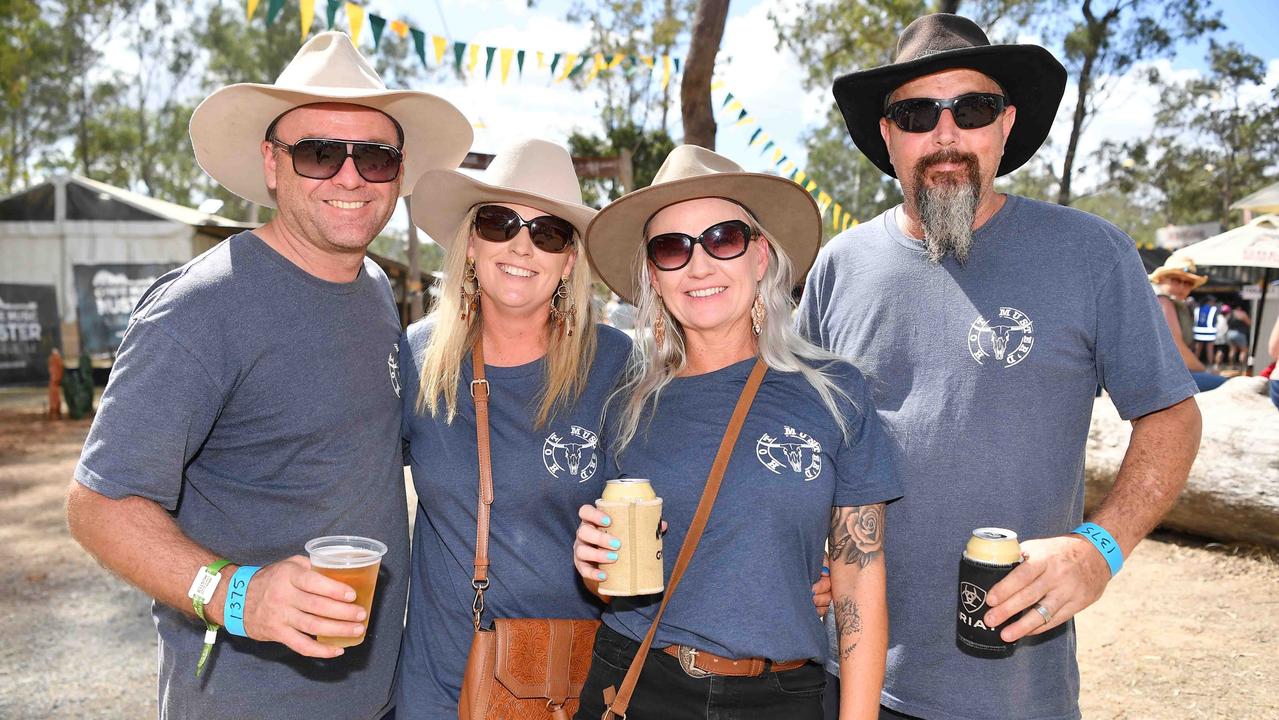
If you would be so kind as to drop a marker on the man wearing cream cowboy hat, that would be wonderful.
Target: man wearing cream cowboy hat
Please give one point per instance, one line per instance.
(254, 403)
(1173, 283)
(987, 321)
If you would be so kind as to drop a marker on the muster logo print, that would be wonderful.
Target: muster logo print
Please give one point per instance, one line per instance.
(789, 452)
(574, 453)
(1007, 338)
(393, 365)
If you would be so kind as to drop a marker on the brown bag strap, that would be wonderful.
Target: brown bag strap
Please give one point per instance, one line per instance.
(480, 395)
(618, 701)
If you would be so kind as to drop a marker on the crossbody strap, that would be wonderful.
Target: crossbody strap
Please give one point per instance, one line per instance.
(480, 395)
(618, 701)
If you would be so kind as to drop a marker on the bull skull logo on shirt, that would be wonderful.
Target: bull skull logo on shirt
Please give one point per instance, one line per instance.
(1007, 338)
(789, 452)
(393, 365)
(574, 453)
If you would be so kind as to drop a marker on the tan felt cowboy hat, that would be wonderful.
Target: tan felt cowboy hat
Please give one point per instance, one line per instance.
(526, 171)
(227, 129)
(1182, 267)
(1030, 76)
(782, 207)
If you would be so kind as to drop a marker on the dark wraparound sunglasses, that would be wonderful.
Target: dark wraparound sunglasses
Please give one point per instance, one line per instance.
(499, 224)
(722, 241)
(322, 158)
(971, 111)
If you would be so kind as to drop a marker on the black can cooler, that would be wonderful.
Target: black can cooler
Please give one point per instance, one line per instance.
(991, 554)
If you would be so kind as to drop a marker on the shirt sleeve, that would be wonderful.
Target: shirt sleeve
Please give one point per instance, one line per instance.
(812, 304)
(154, 416)
(1137, 361)
(408, 399)
(865, 472)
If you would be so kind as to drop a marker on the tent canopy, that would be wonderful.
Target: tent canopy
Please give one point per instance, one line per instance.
(1265, 200)
(1253, 245)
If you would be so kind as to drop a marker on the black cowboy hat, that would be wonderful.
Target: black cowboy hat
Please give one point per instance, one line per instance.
(1031, 77)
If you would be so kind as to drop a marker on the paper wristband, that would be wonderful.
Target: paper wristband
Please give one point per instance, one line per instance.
(1105, 544)
(233, 610)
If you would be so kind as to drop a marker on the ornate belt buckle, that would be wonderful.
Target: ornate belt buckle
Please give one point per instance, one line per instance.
(687, 660)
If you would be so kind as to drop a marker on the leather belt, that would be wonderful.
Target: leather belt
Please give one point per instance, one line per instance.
(700, 663)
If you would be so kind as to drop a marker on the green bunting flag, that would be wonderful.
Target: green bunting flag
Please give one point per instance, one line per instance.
(332, 11)
(488, 63)
(727, 99)
(676, 61)
(459, 49)
(753, 136)
(519, 61)
(579, 67)
(742, 115)
(378, 23)
(555, 61)
(767, 145)
(273, 10)
(419, 44)
(781, 162)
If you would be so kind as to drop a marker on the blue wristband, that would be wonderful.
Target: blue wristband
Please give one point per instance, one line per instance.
(1104, 542)
(233, 610)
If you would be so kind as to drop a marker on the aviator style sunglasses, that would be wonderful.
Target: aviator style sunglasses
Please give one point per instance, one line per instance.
(322, 158)
(722, 241)
(971, 111)
(499, 224)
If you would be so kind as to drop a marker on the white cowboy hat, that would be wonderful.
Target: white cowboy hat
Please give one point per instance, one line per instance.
(228, 128)
(526, 171)
(1179, 266)
(781, 206)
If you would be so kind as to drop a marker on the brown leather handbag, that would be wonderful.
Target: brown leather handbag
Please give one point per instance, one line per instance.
(522, 668)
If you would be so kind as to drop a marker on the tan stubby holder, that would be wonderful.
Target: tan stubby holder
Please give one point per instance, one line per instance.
(636, 514)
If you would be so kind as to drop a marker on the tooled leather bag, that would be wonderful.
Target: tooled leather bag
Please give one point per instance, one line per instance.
(521, 668)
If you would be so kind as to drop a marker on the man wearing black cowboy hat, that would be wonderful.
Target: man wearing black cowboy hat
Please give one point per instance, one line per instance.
(986, 321)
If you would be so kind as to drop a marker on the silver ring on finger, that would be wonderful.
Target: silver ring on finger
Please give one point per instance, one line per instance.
(1044, 613)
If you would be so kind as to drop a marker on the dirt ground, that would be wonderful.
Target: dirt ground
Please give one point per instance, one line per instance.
(1188, 630)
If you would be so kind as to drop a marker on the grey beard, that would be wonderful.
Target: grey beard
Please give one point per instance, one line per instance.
(947, 213)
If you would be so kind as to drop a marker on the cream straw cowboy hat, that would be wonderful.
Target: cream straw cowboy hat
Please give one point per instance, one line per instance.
(527, 171)
(782, 207)
(1182, 267)
(228, 128)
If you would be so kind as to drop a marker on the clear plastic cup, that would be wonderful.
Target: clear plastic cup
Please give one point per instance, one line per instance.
(351, 560)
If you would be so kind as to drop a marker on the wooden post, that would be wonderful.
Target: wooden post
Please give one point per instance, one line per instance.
(413, 283)
(626, 170)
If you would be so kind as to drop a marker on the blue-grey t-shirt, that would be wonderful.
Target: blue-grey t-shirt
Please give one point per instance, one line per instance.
(260, 405)
(985, 375)
(748, 590)
(540, 478)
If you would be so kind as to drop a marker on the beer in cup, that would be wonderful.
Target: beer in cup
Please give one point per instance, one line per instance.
(351, 560)
(636, 514)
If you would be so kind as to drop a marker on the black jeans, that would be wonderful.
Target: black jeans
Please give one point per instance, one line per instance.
(666, 692)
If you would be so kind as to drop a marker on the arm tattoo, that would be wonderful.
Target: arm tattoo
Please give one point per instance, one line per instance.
(857, 534)
(848, 624)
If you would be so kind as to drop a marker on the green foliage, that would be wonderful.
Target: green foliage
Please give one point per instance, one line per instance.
(860, 187)
(1210, 145)
(649, 147)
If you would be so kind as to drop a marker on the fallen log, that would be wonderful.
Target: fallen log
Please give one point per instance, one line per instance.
(1233, 490)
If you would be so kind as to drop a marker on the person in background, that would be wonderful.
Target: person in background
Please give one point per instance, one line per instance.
(1173, 284)
(1238, 325)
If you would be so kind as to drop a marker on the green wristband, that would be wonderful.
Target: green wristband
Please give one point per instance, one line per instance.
(205, 584)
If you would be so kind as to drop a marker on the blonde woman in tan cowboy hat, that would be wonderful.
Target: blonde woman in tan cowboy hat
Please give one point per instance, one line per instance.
(254, 404)
(1173, 283)
(516, 294)
(709, 255)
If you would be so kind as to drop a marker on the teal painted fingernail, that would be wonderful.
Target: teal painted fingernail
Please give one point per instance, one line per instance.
(601, 575)
(615, 543)
(612, 556)
(607, 521)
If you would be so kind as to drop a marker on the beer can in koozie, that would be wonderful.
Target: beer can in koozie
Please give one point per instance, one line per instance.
(636, 514)
(990, 555)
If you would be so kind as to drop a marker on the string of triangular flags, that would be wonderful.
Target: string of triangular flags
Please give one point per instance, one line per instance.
(732, 110)
(467, 57)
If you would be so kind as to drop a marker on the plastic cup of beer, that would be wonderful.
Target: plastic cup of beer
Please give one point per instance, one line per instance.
(351, 560)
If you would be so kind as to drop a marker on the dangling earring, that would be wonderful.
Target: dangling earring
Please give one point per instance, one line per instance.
(758, 314)
(470, 300)
(563, 319)
(659, 326)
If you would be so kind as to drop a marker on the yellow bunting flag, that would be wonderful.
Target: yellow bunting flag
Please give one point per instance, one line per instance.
(717, 85)
(666, 71)
(823, 201)
(597, 63)
(504, 56)
(472, 58)
(799, 177)
(307, 8)
(835, 218)
(617, 60)
(735, 105)
(253, 6)
(570, 62)
(811, 186)
(777, 156)
(647, 60)
(762, 137)
(541, 60)
(849, 221)
(745, 121)
(440, 46)
(400, 27)
(355, 15)
(788, 167)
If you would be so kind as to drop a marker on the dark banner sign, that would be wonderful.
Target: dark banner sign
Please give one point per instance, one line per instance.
(105, 297)
(29, 331)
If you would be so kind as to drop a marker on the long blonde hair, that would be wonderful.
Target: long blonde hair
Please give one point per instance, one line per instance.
(568, 358)
(650, 369)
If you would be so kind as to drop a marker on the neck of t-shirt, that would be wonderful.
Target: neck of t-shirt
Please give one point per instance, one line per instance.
(328, 265)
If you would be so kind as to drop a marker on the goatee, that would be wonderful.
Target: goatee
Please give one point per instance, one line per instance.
(948, 209)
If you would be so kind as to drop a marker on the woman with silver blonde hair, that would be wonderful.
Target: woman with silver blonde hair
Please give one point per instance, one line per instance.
(709, 253)
(513, 325)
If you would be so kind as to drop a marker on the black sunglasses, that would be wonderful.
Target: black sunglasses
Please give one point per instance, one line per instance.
(322, 158)
(499, 224)
(722, 241)
(971, 111)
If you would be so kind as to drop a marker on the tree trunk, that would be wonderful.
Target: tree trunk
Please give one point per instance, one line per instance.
(1076, 127)
(695, 89)
(948, 6)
